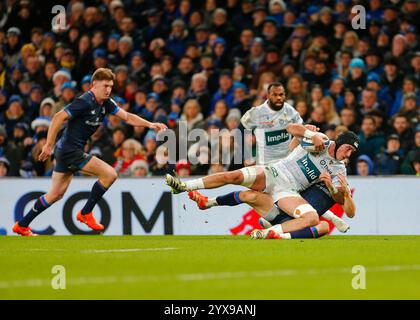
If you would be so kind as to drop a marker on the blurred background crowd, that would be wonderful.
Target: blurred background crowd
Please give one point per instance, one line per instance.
(206, 63)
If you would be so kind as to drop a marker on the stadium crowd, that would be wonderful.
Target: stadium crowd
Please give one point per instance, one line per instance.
(206, 63)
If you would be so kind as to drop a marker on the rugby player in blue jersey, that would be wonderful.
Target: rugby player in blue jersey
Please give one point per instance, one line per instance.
(84, 115)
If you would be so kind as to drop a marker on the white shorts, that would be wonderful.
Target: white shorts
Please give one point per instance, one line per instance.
(278, 185)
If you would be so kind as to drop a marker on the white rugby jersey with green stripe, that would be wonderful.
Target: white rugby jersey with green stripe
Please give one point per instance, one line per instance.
(270, 130)
(303, 168)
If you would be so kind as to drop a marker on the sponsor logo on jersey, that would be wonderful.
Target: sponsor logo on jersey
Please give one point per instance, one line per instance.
(308, 168)
(266, 123)
(276, 137)
(95, 123)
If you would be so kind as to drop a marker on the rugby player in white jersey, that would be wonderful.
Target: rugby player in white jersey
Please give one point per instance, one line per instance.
(284, 179)
(269, 121)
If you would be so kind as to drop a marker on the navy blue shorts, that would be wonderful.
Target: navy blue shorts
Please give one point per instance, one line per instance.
(70, 160)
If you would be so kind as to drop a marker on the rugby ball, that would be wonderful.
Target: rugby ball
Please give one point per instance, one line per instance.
(307, 144)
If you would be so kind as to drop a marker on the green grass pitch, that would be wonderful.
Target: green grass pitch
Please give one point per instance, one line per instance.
(209, 267)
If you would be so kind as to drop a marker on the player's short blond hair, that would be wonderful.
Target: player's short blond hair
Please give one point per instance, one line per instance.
(103, 74)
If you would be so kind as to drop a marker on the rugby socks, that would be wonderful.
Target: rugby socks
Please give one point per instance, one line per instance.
(40, 205)
(96, 194)
(195, 184)
(277, 228)
(272, 214)
(328, 215)
(230, 199)
(305, 233)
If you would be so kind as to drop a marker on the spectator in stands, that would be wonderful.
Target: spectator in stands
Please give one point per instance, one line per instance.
(4, 167)
(242, 50)
(348, 118)
(296, 89)
(356, 79)
(139, 169)
(402, 127)
(406, 167)
(68, 93)
(416, 163)
(392, 77)
(364, 166)
(131, 151)
(192, 115)
(371, 141)
(12, 47)
(302, 108)
(211, 51)
(226, 90)
(183, 168)
(257, 55)
(14, 114)
(415, 66)
(160, 166)
(369, 102)
(318, 118)
(9, 150)
(150, 146)
(409, 88)
(272, 63)
(389, 161)
(331, 116)
(410, 107)
(198, 90)
(233, 119)
(220, 112)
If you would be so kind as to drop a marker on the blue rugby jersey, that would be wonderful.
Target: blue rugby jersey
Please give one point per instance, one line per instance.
(86, 115)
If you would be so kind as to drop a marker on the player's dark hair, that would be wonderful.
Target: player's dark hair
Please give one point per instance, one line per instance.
(103, 74)
(370, 117)
(274, 85)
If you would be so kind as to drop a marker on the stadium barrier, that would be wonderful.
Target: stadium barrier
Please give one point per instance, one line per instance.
(385, 206)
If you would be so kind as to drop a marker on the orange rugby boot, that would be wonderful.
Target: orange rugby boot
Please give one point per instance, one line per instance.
(90, 221)
(200, 199)
(23, 231)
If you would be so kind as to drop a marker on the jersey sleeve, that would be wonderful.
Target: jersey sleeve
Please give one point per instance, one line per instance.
(248, 119)
(76, 108)
(296, 118)
(111, 107)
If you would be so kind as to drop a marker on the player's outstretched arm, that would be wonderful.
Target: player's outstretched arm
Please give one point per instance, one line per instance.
(336, 194)
(299, 130)
(136, 121)
(56, 124)
(349, 206)
(295, 141)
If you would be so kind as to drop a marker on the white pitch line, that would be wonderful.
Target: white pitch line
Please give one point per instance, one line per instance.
(200, 276)
(128, 250)
(288, 272)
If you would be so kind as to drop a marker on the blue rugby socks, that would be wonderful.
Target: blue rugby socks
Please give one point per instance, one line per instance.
(96, 194)
(40, 205)
(305, 233)
(230, 199)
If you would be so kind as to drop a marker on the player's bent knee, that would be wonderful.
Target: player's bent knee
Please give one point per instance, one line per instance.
(113, 175)
(248, 196)
(247, 175)
(303, 210)
(313, 219)
(110, 177)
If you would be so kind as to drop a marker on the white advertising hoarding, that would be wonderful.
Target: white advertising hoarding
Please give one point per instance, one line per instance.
(385, 206)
